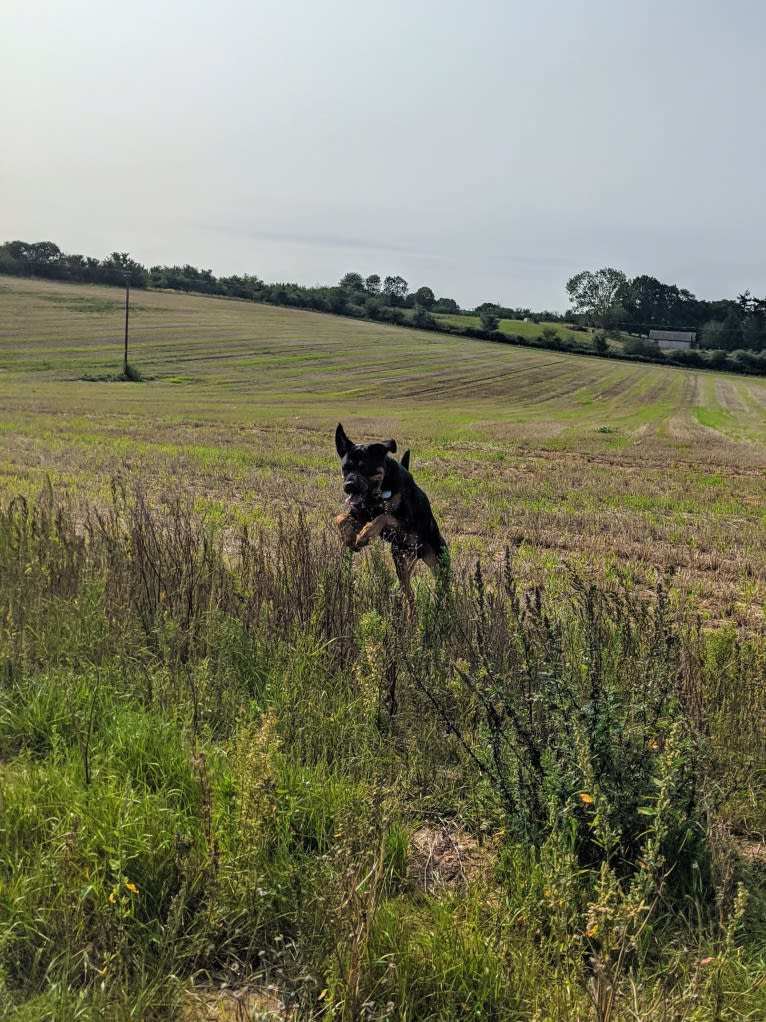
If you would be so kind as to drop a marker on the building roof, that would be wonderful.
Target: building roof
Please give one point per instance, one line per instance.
(672, 335)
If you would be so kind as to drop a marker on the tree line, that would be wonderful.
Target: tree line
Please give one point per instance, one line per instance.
(607, 307)
(608, 299)
(372, 297)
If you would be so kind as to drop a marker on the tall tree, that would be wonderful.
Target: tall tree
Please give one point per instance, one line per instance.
(396, 288)
(119, 265)
(596, 293)
(446, 305)
(649, 303)
(352, 282)
(425, 297)
(489, 315)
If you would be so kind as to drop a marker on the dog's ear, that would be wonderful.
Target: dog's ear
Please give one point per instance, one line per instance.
(342, 442)
(390, 445)
(379, 450)
(405, 460)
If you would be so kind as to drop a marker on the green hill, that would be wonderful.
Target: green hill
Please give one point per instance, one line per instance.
(224, 359)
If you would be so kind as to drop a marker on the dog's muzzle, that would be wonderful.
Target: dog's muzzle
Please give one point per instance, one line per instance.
(357, 490)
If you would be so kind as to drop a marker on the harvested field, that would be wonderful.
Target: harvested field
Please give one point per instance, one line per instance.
(585, 461)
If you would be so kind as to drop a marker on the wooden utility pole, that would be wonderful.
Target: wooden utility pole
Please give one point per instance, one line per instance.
(127, 313)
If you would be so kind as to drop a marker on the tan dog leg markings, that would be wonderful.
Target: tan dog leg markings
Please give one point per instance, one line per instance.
(356, 536)
(404, 562)
(349, 529)
(374, 528)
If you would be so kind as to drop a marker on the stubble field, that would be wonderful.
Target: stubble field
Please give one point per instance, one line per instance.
(564, 459)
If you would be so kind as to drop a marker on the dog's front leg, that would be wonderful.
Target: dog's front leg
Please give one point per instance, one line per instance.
(374, 528)
(349, 529)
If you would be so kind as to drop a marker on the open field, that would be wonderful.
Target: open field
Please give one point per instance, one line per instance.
(239, 781)
(519, 327)
(562, 458)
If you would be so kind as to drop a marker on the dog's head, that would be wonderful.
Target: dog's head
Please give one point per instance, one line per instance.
(363, 467)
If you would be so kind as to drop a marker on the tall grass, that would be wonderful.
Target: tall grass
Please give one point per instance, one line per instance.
(214, 748)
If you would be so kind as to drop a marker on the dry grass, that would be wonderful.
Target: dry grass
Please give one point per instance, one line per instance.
(447, 856)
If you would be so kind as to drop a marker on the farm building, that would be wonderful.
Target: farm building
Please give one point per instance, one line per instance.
(670, 339)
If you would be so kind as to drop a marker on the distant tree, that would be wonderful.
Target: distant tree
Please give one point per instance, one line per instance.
(9, 263)
(731, 334)
(647, 302)
(45, 257)
(641, 346)
(74, 267)
(372, 284)
(352, 282)
(425, 298)
(396, 288)
(600, 342)
(422, 318)
(118, 264)
(716, 358)
(38, 258)
(20, 252)
(489, 316)
(446, 305)
(752, 321)
(373, 307)
(712, 334)
(338, 301)
(746, 360)
(754, 332)
(723, 334)
(595, 294)
(246, 286)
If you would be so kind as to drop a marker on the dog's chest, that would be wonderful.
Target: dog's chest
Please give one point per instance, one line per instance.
(391, 502)
(399, 534)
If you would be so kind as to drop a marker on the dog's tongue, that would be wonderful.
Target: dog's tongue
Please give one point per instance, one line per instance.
(355, 500)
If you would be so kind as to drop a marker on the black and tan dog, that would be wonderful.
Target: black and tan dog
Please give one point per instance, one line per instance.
(382, 499)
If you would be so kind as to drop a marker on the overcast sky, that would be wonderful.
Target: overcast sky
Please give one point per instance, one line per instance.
(487, 149)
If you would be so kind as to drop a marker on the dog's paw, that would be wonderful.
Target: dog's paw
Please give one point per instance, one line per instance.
(348, 529)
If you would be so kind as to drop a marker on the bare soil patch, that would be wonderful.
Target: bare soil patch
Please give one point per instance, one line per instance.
(243, 1004)
(445, 857)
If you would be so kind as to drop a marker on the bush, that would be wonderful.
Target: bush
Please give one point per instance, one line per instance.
(489, 320)
(641, 346)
